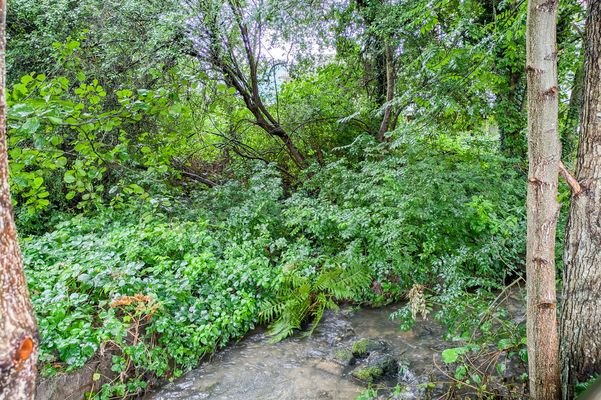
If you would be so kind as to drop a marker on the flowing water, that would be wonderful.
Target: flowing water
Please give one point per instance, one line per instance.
(302, 368)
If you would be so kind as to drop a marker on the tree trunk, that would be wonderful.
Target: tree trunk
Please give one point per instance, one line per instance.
(18, 331)
(544, 153)
(581, 309)
(386, 119)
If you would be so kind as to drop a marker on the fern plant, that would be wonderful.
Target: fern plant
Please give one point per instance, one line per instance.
(303, 298)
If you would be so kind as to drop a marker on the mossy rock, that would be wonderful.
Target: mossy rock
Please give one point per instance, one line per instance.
(368, 374)
(384, 362)
(362, 347)
(359, 348)
(344, 357)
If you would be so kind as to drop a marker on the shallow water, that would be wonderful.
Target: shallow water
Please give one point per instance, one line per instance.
(302, 368)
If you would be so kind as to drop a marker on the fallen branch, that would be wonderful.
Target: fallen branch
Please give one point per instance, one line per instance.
(199, 178)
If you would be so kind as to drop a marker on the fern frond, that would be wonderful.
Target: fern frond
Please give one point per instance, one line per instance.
(321, 302)
(349, 283)
(270, 311)
(280, 330)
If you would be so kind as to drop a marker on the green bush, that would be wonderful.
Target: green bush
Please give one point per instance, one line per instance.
(162, 281)
(436, 213)
(160, 292)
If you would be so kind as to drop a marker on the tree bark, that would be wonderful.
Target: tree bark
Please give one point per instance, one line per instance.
(390, 75)
(581, 309)
(18, 330)
(544, 154)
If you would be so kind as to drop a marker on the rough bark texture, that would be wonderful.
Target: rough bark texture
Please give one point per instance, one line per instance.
(18, 331)
(544, 151)
(581, 309)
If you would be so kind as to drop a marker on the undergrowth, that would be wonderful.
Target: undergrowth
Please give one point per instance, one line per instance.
(161, 281)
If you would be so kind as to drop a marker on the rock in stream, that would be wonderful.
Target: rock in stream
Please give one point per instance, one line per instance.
(326, 365)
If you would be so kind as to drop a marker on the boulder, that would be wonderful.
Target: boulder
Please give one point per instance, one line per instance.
(385, 362)
(344, 357)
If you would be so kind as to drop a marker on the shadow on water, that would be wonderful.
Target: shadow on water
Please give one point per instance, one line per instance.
(303, 368)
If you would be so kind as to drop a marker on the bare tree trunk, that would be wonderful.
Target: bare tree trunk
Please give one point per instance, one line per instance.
(544, 154)
(18, 331)
(386, 119)
(581, 309)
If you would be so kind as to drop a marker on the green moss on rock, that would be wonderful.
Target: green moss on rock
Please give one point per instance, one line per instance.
(363, 347)
(359, 348)
(368, 374)
(343, 356)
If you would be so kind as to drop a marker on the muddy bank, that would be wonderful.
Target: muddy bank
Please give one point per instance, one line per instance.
(73, 385)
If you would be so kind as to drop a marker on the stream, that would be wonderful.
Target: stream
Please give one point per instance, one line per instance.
(310, 368)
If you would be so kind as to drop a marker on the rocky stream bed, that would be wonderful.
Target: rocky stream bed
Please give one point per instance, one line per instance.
(347, 352)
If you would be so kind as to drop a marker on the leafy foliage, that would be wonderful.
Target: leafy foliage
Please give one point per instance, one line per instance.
(434, 213)
(150, 288)
(121, 118)
(245, 254)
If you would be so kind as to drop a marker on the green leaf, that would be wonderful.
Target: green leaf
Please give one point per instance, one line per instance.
(505, 344)
(501, 367)
(31, 125)
(73, 44)
(26, 79)
(20, 110)
(450, 356)
(55, 120)
(460, 372)
(476, 378)
(69, 177)
(37, 182)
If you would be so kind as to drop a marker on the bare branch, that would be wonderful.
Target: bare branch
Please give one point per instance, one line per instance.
(574, 185)
(199, 178)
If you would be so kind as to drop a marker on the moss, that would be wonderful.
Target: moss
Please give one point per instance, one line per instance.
(359, 348)
(343, 356)
(368, 374)
(363, 347)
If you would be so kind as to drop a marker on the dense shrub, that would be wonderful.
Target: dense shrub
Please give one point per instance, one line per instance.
(156, 290)
(162, 281)
(437, 213)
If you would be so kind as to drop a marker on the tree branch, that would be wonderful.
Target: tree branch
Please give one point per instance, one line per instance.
(199, 178)
(574, 185)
